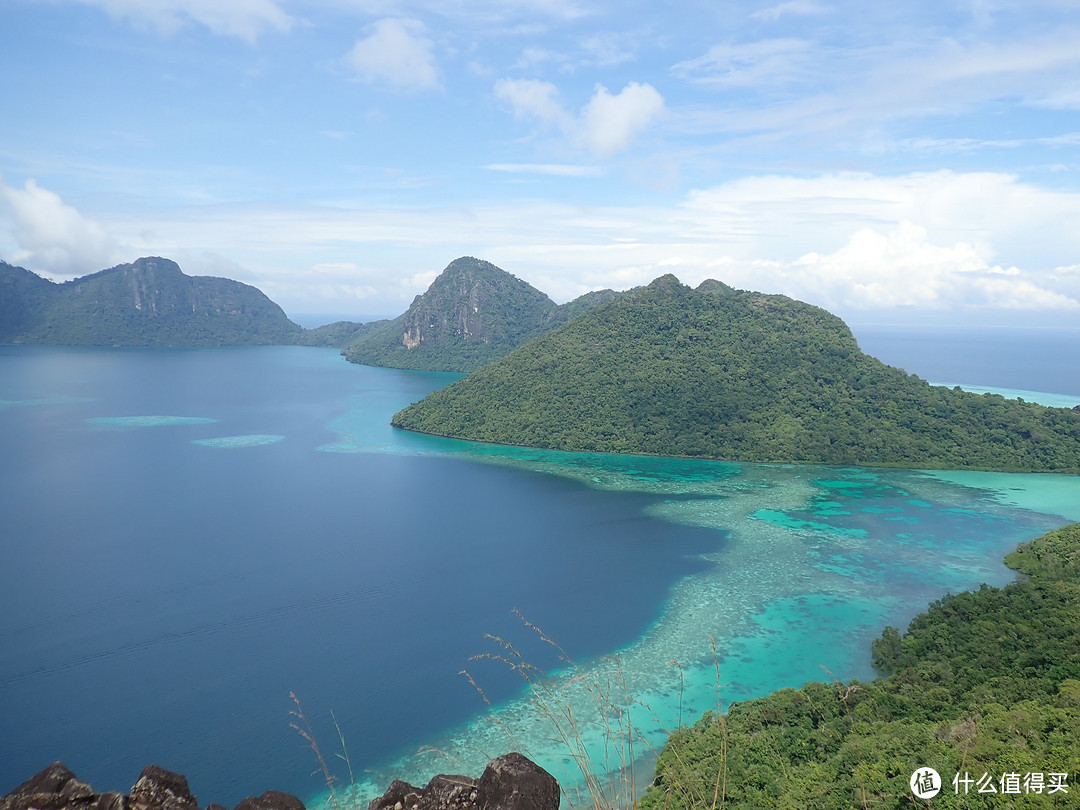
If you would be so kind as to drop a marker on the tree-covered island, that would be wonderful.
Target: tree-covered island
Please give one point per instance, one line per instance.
(715, 372)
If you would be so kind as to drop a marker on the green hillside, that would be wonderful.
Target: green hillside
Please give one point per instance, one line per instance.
(149, 302)
(721, 373)
(337, 334)
(984, 683)
(22, 296)
(473, 313)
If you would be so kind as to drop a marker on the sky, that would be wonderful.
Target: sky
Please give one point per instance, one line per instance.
(914, 162)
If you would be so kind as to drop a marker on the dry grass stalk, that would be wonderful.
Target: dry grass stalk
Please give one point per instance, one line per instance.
(607, 775)
(303, 728)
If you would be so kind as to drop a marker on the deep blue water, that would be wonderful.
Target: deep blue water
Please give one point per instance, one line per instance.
(1036, 359)
(187, 536)
(159, 599)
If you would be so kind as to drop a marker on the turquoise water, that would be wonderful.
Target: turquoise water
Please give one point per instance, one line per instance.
(191, 535)
(234, 442)
(1051, 400)
(816, 561)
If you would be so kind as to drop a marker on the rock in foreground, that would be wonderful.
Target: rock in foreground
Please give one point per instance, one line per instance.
(57, 788)
(510, 782)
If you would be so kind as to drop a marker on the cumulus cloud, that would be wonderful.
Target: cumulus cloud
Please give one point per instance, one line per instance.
(52, 236)
(903, 267)
(940, 240)
(246, 19)
(607, 124)
(396, 53)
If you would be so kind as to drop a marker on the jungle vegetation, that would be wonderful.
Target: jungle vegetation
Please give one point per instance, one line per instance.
(149, 302)
(473, 313)
(984, 686)
(727, 374)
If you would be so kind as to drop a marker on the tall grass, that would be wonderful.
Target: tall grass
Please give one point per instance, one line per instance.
(591, 715)
(600, 734)
(303, 727)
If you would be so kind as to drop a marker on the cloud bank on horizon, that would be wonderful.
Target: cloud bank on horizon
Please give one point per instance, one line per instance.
(917, 157)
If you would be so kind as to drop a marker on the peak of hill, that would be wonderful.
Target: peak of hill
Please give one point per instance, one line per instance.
(728, 374)
(149, 302)
(473, 313)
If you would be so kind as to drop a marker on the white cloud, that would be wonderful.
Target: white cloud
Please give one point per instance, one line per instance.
(396, 53)
(945, 240)
(877, 270)
(608, 49)
(751, 63)
(606, 125)
(246, 19)
(529, 98)
(863, 85)
(52, 236)
(484, 12)
(556, 169)
(609, 123)
(802, 7)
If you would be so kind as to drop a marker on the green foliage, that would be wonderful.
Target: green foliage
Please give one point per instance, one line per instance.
(22, 296)
(721, 373)
(337, 334)
(983, 682)
(473, 313)
(147, 303)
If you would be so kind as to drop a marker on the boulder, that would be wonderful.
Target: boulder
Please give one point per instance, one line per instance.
(449, 792)
(54, 788)
(159, 789)
(270, 800)
(510, 782)
(57, 788)
(399, 796)
(515, 782)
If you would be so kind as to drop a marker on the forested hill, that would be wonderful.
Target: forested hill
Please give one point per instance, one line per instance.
(473, 313)
(149, 302)
(984, 688)
(727, 374)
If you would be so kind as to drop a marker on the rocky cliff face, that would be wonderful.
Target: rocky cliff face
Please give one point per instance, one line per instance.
(471, 314)
(149, 302)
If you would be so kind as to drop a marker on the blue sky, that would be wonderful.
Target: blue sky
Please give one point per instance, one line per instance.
(889, 161)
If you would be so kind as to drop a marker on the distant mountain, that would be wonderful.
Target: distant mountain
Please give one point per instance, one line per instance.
(721, 373)
(149, 302)
(337, 334)
(473, 313)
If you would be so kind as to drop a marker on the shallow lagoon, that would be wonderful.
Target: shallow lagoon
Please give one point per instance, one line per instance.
(191, 535)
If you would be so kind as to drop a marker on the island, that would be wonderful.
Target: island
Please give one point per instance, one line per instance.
(720, 373)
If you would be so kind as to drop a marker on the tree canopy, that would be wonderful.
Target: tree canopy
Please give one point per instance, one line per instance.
(149, 302)
(984, 683)
(742, 376)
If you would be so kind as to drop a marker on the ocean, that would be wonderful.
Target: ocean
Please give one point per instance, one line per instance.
(189, 536)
